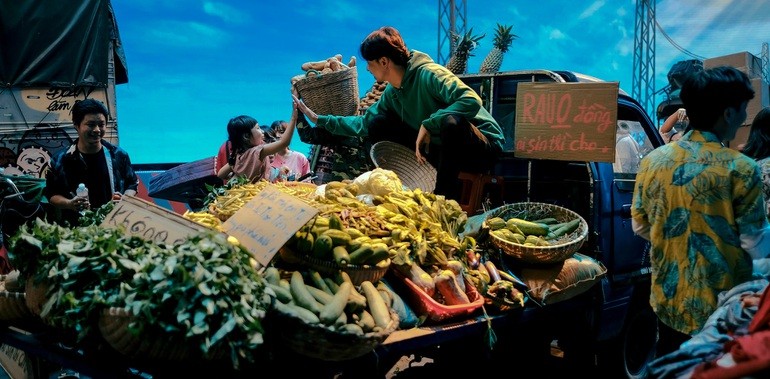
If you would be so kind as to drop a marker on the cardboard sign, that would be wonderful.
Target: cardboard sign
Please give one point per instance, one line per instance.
(144, 219)
(15, 362)
(566, 121)
(267, 221)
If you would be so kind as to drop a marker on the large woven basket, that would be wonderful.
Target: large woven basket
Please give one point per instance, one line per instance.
(114, 327)
(323, 342)
(401, 160)
(559, 250)
(334, 93)
(358, 273)
(12, 298)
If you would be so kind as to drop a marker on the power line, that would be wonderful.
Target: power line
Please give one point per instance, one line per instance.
(676, 45)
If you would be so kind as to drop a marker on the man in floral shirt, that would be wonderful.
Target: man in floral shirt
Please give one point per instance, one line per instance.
(701, 206)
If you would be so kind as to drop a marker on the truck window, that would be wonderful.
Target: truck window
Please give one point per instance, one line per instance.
(631, 145)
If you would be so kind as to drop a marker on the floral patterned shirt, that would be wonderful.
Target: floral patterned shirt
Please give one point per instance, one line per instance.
(764, 165)
(698, 197)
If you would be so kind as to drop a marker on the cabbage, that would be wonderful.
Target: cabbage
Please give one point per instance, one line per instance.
(378, 182)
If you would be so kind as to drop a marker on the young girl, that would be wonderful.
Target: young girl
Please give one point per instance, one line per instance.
(250, 156)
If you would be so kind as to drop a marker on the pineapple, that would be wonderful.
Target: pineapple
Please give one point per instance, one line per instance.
(501, 43)
(458, 63)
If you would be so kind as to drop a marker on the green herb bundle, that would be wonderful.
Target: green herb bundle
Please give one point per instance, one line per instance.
(204, 291)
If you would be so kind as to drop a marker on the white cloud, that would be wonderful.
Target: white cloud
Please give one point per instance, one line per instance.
(186, 35)
(556, 34)
(225, 12)
(593, 8)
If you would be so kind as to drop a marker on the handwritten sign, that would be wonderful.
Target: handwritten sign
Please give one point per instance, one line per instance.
(15, 362)
(566, 121)
(267, 221)
(144, 219)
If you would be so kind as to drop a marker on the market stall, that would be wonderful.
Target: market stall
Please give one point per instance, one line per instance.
(246, 281)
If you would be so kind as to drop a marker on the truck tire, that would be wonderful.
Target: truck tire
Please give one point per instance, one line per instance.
(628, 354)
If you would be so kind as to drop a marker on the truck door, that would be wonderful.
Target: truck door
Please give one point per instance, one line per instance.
(635, 138)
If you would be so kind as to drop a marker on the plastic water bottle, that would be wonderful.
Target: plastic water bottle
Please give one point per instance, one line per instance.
(82, 192)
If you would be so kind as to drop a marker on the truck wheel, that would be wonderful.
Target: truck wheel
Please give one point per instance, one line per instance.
(638, 342)
(628, 354)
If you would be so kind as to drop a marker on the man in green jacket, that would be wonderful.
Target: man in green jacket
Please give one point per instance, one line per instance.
(425, 107)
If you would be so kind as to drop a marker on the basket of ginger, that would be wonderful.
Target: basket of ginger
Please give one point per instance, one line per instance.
(329, 87)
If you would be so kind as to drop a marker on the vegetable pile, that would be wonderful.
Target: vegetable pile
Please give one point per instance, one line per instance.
(204, 291)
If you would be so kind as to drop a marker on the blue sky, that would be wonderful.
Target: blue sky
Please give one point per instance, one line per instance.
(192, 64)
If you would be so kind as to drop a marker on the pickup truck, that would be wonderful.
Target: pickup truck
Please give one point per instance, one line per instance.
(611, 327)
(617, 321)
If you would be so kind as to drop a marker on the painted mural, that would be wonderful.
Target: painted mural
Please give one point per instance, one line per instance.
(36, 124)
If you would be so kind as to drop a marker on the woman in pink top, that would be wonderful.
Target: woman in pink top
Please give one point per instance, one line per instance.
(249, 156)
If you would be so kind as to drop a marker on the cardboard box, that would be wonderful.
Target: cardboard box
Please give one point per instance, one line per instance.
(761, 99)
(744, 61)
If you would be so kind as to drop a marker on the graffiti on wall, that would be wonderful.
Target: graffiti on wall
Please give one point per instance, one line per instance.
(28, 150)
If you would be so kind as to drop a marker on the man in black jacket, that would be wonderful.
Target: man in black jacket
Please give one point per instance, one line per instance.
(105, 169)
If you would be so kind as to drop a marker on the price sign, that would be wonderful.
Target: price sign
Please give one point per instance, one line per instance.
(267, 221)
(566, 121)
(144, 219)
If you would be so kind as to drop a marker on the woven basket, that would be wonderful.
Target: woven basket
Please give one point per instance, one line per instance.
(334, 93)
(401, 160)
(322, 342)
(559, 250)
(358, 273)
(114, 327)
(36, 294)
(13, 303)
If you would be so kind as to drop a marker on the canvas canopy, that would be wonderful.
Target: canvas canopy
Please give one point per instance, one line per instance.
(59, 43)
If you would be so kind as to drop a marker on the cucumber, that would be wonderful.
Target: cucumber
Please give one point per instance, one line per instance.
(319, 295)
(336, 307)
(301, 294)
(528, 227)
(341, 256)
(319, 282)
(322, 247)
(377, 306)
(294, 310)
(568, 228)
(360, 255)
(272, 275)
(379, 254)
(282, 294)
(547, 221)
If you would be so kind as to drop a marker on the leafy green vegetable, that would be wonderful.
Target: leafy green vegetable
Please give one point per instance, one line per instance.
(96, 216)
(203, 291)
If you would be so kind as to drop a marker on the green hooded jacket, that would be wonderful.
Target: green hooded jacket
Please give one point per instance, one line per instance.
(429, 91)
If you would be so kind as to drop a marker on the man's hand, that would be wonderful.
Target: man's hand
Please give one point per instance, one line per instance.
(78, 204)
(423, 138)
(312, 116)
